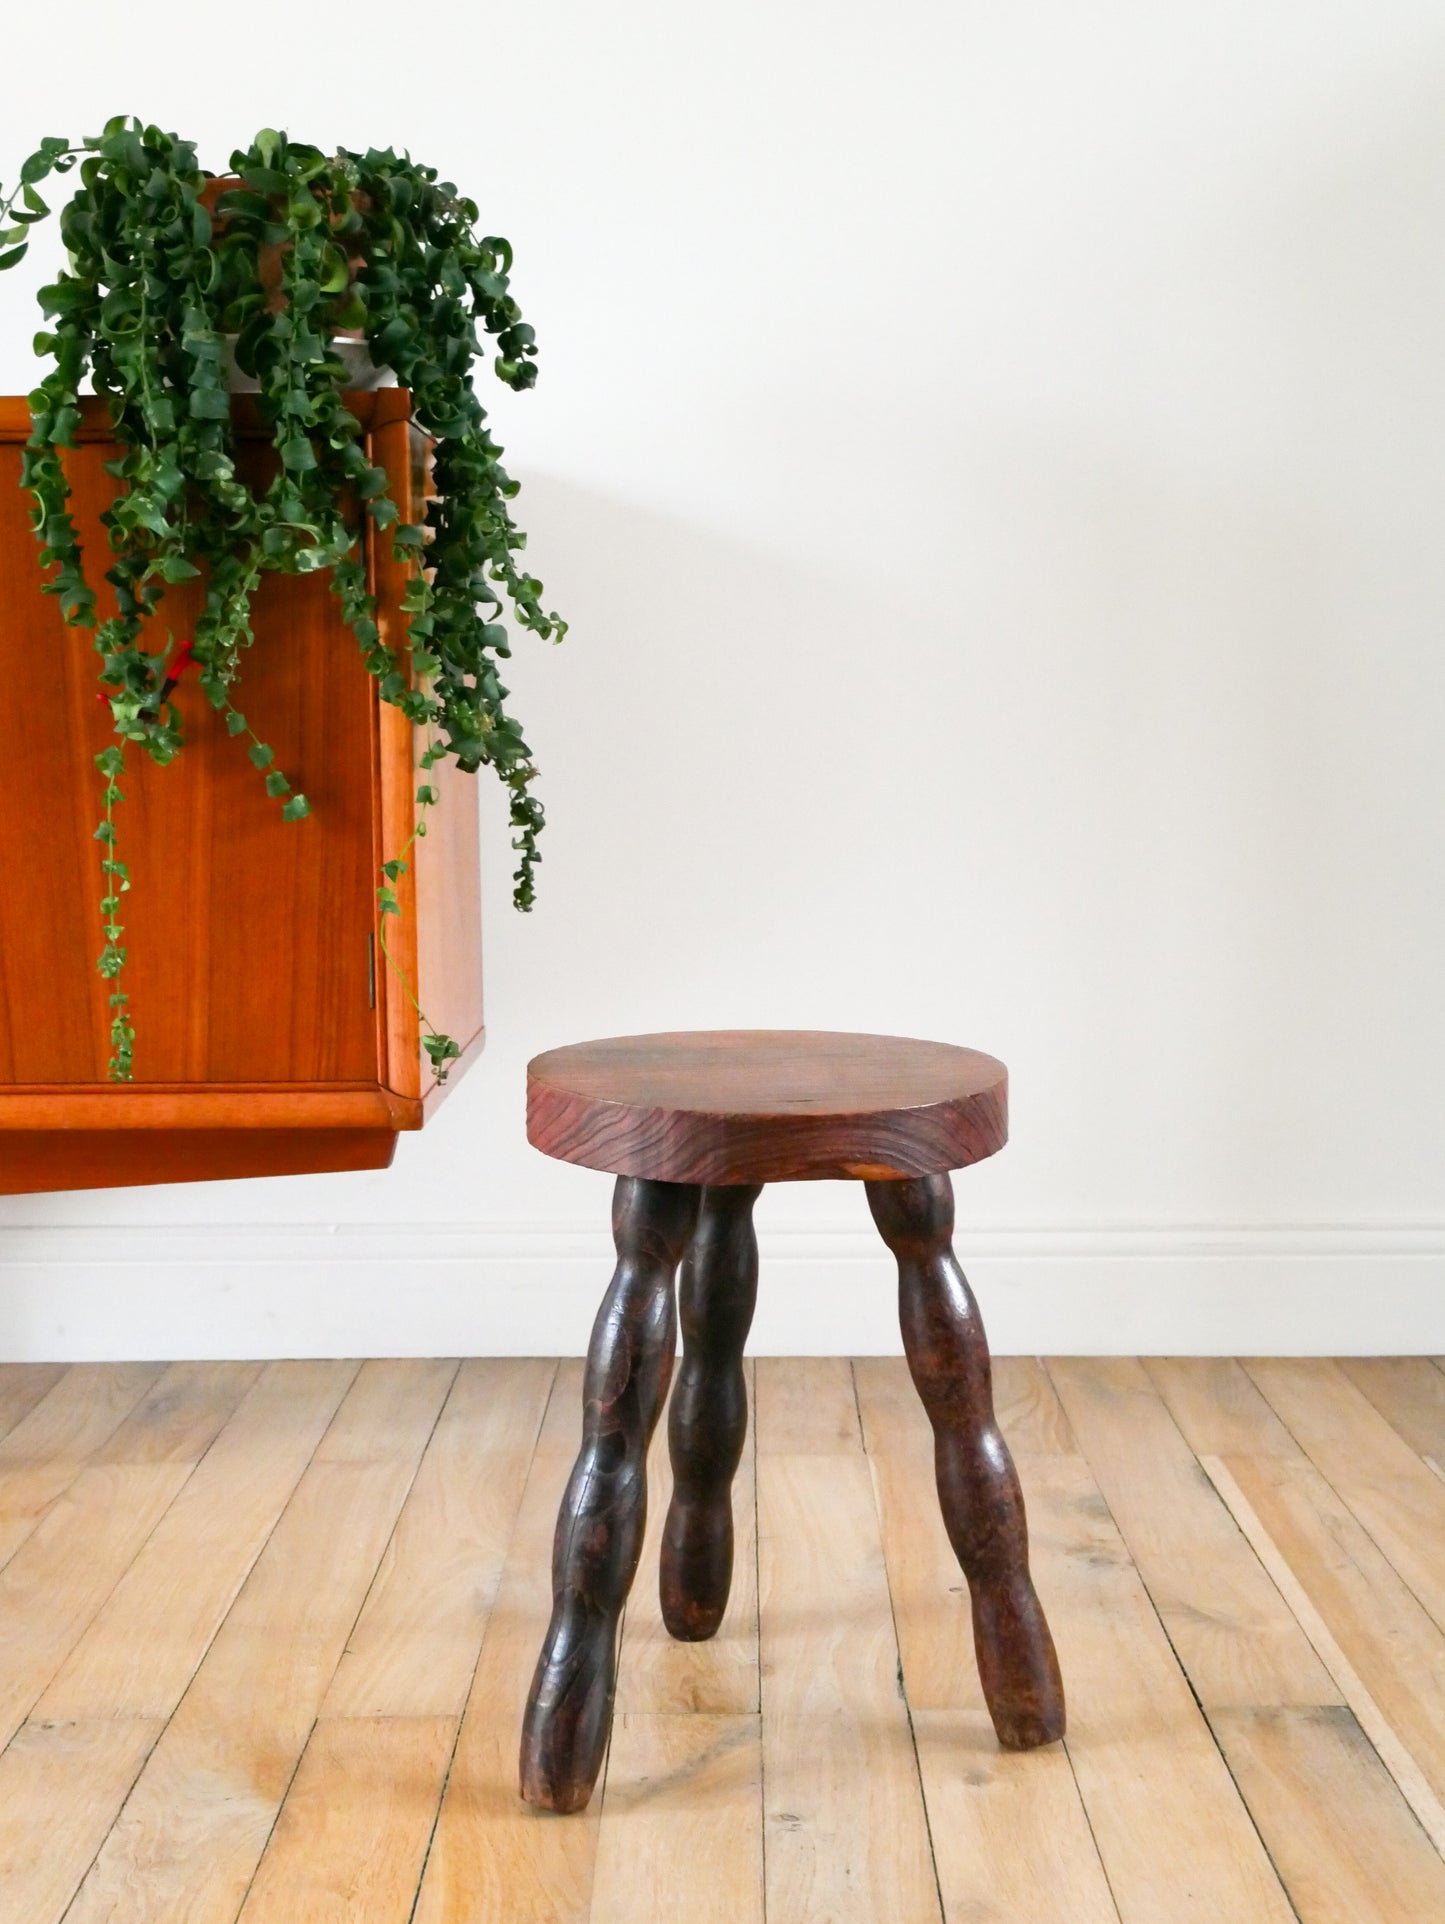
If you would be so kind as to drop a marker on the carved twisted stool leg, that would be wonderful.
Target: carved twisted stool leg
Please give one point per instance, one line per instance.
(599, 1527)
(978, 1488)
(707, 1420)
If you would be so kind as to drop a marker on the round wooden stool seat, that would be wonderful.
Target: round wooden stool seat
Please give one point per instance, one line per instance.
(767, 1105)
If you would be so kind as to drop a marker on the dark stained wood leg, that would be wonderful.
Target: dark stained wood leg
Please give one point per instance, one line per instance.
(707, 1420)
(600, 1525)
(978, 1487)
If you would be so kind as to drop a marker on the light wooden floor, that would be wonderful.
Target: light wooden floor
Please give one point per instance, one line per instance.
(265, 1633)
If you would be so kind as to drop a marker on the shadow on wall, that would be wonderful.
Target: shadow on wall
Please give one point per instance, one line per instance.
(1097, 783)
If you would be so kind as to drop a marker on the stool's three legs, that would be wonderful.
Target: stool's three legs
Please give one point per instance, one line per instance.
(707, 1419)
(599, 1528)
(978, 1488)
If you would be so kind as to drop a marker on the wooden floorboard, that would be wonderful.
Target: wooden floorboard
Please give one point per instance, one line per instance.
(1343, 1839)
(1387, 1485)
(845, 1831)
(266, 1632)
(1011, 1838)
(82, 1546)
(681, 1835)
(188, 1840)
(657, 1674)
(60, 1788)
(144, 1644)
(22, 1385)
(1280, 1707)
(48, 1447)
(1409, 1391)
(491, 1855)
(353, 1832)
(1409, 1689)
(414, 1648)
(1230, 1628)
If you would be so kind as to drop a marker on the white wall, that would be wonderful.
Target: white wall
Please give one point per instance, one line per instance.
(993, 458)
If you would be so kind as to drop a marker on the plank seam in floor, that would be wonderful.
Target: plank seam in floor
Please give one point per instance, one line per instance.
(1392, 1751)
(100, 1846)
(545, 1406)
(1179, 1662)
(164, 1723)
(1064, 1740)
(390, 1536)
(1433, 1612)
(897, 1651)
(758, 1628)
(140, 1548)
(220, 1626)
(79, 1465)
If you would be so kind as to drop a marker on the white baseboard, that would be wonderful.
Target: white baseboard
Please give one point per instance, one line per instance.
(69, 1294)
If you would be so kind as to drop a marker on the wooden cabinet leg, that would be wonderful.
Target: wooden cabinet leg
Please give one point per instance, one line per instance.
(978, 1487)
(707, 1420)
(600, 1525)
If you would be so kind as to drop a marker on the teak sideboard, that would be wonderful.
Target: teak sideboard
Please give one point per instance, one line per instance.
(271, 1037)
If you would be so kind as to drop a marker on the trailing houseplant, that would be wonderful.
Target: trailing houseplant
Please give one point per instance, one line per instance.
(174, 275)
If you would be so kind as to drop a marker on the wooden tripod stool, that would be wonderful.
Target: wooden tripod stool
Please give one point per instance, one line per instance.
(692, 1126)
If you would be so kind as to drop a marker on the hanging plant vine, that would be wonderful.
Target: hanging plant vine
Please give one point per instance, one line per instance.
(167, 269)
